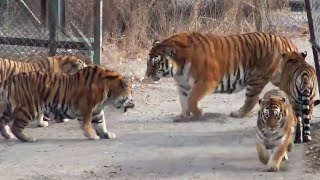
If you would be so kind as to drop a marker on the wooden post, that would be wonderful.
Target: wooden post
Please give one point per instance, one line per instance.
(259, 14)
(97, 46)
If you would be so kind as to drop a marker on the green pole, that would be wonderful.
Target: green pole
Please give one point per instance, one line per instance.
(97, 45)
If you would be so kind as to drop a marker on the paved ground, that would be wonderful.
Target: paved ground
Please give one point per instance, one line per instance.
(149, 145)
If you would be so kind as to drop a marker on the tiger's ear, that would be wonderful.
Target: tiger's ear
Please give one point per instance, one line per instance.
(123, 83)
(171, 51)
(304, 54)
(156, 42)
(261, 101)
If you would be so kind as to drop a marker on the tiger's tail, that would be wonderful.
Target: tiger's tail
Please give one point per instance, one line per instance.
(305, 97)
(316, 102)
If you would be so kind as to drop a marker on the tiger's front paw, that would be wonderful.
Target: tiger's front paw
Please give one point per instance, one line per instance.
(182, 119)
(197, 113)
(92, 136)
(43, 124)
(184, 114)
(107, 135)
(273, 169)
(238, 114)
(28, 139)
(111, 135)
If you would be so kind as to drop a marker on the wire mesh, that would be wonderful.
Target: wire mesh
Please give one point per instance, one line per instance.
(22, 26)
(315, 11)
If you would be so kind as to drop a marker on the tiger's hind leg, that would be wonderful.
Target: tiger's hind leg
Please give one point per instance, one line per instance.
(299, 130)
(5, 131)
(5, 128)
(99, 124)
(21, 120)
(253, 91)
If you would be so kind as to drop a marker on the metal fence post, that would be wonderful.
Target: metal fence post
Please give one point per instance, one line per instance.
(313, 41)
(52, 23)
(97, 46)
(56, 20)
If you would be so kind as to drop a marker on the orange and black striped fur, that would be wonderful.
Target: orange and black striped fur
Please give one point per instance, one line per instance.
(275, 128)
(202, 64)
(299, 81)
(59, 64)
(81, 95)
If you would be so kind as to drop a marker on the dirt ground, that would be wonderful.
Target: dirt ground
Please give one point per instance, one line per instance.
(150, 146)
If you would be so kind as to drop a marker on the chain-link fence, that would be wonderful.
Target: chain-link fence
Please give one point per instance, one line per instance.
(35, 29)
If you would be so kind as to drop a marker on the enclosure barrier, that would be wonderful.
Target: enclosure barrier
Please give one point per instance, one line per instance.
(31, 28)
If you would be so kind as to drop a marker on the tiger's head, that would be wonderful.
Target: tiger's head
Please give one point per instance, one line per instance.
(272, 114)
(120, 90)
(67, 64)
(293, 55)
(161, 61)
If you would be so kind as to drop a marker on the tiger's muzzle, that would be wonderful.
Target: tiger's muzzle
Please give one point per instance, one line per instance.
(129, 104)
(124, 102)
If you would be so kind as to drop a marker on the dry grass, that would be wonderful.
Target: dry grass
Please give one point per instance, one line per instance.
(133, 25)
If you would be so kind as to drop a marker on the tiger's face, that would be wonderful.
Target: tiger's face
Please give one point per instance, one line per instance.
(160, 63)
(272, 114)
(71, 65)
(120, 92)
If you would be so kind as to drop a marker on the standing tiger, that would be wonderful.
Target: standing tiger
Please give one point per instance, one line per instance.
(81, 95)
(299, 81)
(202, 64)
(275, 128)
(59, 64)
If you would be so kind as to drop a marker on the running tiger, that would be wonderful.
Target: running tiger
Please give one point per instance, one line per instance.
(275, 127)
(81, 95)
(299, 81)
(59, 64)
(202, 64)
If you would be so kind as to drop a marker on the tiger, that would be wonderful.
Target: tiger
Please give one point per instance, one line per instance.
(59, 64)
(275, 129)
(299, 81)
(81, 95)
(202, 64)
